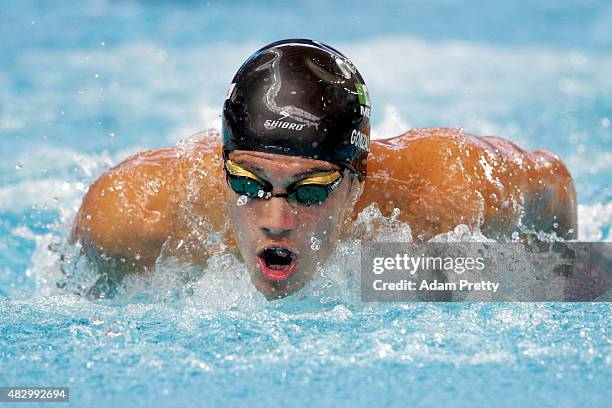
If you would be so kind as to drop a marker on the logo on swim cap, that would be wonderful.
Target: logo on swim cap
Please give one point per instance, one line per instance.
(362, 91)
(272, 124)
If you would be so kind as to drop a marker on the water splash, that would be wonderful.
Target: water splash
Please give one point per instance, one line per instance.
(242, 200)
(315, 243)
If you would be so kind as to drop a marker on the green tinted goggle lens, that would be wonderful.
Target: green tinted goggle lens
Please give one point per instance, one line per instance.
(245, 186)
(311, 193)
(304, 191)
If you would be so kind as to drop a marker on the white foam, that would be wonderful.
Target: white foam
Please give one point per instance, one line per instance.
(41, 194)
(589, 162)
(55, 178)
(457, 83)
(593, 221)
(136, 77)
(391, 124)
(468, 84)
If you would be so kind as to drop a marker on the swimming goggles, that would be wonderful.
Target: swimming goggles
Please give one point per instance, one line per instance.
(313, 189)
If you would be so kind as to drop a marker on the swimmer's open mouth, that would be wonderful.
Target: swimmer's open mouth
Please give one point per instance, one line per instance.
(276, 263)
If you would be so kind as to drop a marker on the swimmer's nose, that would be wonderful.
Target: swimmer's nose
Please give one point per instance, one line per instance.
(278, 220)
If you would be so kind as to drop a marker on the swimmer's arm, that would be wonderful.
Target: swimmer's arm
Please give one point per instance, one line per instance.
(552, 197)
(546, 185)
(133, 212)
(124, 218)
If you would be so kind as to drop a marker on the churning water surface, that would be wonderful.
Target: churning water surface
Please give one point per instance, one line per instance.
(82, 86)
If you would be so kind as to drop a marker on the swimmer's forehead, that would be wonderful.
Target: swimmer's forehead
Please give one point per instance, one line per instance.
(290, 166)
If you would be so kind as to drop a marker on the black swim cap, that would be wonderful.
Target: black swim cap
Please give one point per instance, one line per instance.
(301, 98)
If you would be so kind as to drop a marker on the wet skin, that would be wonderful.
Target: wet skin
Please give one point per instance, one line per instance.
(438, 178)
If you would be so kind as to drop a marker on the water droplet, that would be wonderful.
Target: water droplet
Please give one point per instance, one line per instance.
(19, 166)
(102, 43)
(315, 243)
(97, 75)
(111, 135)
(605, 122)
(260, 193)
(242, 200)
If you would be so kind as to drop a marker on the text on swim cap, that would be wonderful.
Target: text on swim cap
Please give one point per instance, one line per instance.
(271, 124)
(360, 139)
(365, 111)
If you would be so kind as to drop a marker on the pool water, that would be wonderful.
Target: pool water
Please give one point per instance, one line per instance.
(83, 85)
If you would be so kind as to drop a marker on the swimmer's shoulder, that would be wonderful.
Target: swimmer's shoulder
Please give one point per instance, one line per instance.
(430, 154)
(440, 148)
(423, 173)
(126, 209)
(130, 210)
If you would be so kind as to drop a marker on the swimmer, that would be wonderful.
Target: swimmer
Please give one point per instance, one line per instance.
(296, 164)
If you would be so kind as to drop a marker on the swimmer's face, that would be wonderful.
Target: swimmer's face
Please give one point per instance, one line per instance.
(282, 241)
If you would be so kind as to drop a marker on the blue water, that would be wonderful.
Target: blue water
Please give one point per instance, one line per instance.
(85, 84)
